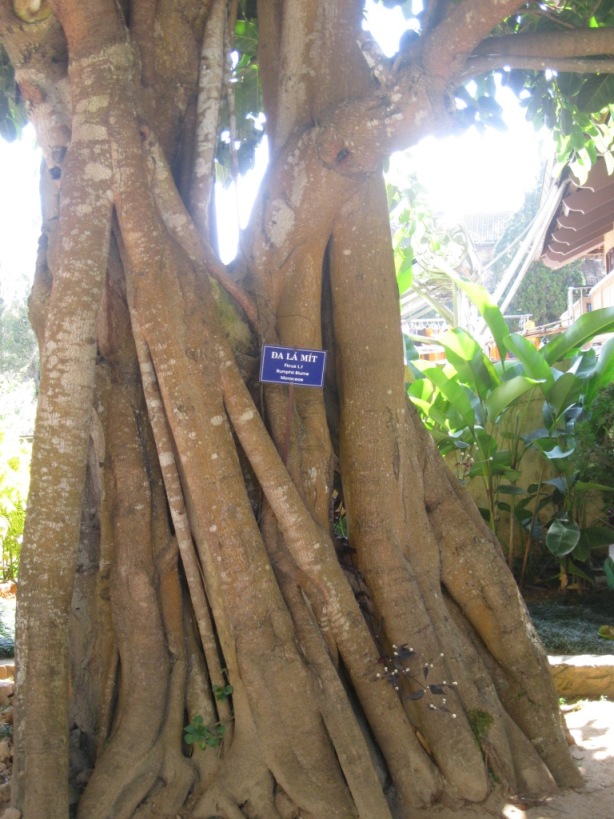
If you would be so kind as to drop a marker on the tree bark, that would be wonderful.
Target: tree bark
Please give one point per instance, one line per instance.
(167, 530)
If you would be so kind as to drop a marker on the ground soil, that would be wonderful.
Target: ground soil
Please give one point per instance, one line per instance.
(591, 729)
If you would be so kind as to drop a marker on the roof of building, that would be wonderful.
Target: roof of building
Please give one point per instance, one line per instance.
(486, 228)
(585, 215)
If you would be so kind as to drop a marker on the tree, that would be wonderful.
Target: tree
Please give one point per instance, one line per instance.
(178, 567)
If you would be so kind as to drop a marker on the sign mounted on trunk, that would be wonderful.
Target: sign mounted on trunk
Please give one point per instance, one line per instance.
(290, 365)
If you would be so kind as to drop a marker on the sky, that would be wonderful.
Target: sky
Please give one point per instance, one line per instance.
(19, 213)
(474, 172)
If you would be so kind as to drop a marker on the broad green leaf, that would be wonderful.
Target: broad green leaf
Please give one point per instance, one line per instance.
(487, 445)
(510, 490)
(564, 393)
(581, 331)
(505, 394)
(489, 311)
(562, 537)
(589, 486)
(473, 367)
(534, 363)
(405, 278)
(576, 571)
(604, 371)
(246, 37)
(411, 354)
(596, 537)
(596, 94)
(454, 393)
(461, 345)
(559, 483)
(584, 365)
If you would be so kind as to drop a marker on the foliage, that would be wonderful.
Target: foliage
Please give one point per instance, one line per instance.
(241, 128)
(596, 443)
(575, 107)
(543, 291)
(205, 736)
(18, 349)
(478, 408)
(14, 477)
(222, 692)
(12, 111)
(18, 367)
(421, 239)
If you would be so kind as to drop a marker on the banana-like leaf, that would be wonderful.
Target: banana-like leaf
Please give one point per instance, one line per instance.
(604, 372)
(564, 393)
(582, 330)
(453, 391)
(506, 394)
(535, 365)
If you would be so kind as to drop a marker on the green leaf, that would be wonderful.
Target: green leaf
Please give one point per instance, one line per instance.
(505, 394)
(461, 346)
(559, 483)
(596, 537)
(564, 393)
(589, 486)
(596, 94)
(246, 37)
(487, 445)
(574, 569)
(562, 537)
(452, 390)
(510, 489)
(466, 356)
(581, 331)
(607, 632)
(603, 373)
(405, 277)
(535, 365)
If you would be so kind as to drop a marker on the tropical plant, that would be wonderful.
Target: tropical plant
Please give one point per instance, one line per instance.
(478, 408)
(14, 476)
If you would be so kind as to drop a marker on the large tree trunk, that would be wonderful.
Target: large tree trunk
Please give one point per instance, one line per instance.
(170, 549)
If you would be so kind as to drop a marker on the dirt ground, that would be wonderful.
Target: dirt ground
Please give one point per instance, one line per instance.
(591, 724)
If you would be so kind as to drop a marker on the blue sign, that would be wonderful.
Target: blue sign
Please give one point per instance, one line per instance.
(289, 365)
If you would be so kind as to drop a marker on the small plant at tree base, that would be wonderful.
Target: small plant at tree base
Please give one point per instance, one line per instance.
(205, 736)
(222, 692)
(14, 479)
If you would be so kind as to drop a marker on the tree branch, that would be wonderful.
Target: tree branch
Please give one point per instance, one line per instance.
(585, 42)
(460, 32)
(480, 65)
